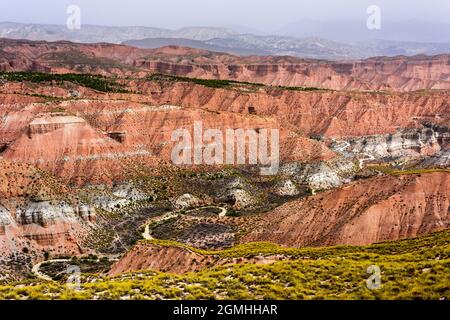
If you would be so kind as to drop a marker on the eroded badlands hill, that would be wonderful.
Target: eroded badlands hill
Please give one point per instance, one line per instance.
(393, 74)
(369, 211)
(98, 136)
(98, 140)
(86, 159)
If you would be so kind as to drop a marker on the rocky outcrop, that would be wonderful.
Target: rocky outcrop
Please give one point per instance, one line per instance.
(37, 214)
(130, 192)
(121, 196)
(239, 194)
(46, 213)
(86, 212)
(5, 220)
(51, 122)
(404, 144)
(239, 198)
(110, 203)
(55, 227)
(440, 159)
(187, 201)
(41, 213)
(320, 175)
(286, 188)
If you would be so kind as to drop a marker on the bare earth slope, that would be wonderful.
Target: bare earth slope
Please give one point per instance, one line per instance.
(378, 209)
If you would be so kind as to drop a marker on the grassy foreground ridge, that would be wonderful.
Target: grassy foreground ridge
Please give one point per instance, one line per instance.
(410, 269)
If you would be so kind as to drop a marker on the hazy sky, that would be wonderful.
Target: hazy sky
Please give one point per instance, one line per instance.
(264, 15)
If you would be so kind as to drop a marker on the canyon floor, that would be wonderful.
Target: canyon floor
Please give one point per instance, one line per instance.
(87, 182)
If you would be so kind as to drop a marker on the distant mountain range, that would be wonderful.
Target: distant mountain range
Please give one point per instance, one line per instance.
(93, 33)
(222, 40)
(352, 31)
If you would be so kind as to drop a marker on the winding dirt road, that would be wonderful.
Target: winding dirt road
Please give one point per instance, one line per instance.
(36, 270)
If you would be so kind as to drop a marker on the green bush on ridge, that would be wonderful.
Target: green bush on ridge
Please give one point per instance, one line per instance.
(219, 84)
(95, 82)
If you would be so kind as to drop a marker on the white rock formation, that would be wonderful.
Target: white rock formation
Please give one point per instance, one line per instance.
(286, 188)
(186, 201)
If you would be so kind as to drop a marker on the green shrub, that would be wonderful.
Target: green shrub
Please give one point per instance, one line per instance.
(95, 82)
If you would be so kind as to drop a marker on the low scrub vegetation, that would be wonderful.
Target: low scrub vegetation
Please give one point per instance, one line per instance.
(212, 83)
(215, 83)
(396, 172)
(302, 88)
(95, 82)
(400, 247)
(410, 269)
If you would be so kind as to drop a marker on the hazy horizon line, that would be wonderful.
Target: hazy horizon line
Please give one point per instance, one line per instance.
(235, 28)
